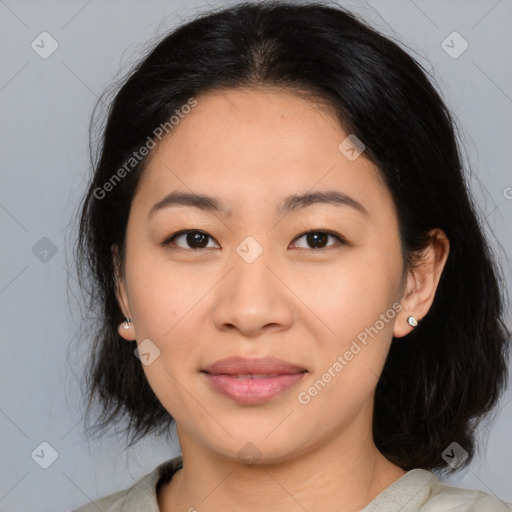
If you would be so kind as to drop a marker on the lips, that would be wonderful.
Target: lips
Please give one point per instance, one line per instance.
(252, 381)
(261, 366)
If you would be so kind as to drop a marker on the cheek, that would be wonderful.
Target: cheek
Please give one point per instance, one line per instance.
(166, 302)
(162, 293)
(358, 304)
(350, 295)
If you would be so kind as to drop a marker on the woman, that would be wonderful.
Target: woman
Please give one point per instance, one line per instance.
(288, 265)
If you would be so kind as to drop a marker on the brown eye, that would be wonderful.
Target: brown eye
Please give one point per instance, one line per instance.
(192, 239)
(319, 239)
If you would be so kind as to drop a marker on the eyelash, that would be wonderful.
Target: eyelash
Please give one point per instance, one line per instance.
(170, 240)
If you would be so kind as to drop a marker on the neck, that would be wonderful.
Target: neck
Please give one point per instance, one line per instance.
(315, 480)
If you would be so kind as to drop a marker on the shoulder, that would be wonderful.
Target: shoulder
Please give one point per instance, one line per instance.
(420, 490)
(446, 497)
(140, 496)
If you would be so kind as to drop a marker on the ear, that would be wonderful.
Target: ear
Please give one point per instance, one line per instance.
(422, 281)
(128, 333)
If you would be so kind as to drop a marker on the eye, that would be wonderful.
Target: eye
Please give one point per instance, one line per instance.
(195, 239)
(318, 239)
(199, 239)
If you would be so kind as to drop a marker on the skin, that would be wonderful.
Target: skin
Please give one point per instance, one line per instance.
(250, 148)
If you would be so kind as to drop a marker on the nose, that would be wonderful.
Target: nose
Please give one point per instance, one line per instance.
(253, 299)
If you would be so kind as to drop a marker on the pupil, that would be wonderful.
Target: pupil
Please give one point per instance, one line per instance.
(316, 238)
(195, 239)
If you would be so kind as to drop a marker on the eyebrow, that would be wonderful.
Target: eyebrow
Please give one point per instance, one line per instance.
(289, 204)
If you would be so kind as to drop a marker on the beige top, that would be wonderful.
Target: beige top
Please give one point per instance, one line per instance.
(418, 490)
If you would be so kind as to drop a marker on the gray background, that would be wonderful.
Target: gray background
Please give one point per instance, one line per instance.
(45, 109)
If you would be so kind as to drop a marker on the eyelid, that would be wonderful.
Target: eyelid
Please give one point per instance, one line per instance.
(341, 241)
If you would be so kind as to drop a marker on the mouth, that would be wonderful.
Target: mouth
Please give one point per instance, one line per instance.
(253, 366)
(252, 381)
(254, 375)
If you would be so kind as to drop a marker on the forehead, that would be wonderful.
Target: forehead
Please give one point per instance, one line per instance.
(255, 146)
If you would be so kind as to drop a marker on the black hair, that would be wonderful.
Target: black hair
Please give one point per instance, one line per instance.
(446, 375)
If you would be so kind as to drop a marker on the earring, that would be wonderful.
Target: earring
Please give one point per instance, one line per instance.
(412, 321)
(127, 323)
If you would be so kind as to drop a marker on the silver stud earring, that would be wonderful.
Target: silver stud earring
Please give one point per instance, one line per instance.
(412, 321)
(127, 323)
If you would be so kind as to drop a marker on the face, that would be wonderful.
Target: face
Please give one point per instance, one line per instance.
(247, 281)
